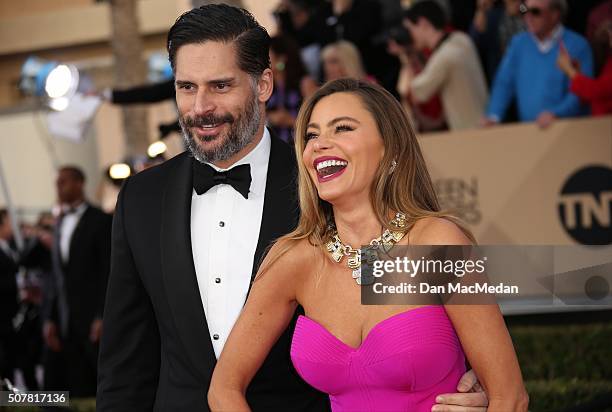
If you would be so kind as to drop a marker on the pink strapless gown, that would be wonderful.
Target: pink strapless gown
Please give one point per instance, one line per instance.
(403, 363)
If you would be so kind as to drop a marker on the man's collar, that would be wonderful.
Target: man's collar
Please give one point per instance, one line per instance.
(258, 159)
(544, 46)
(77, 210)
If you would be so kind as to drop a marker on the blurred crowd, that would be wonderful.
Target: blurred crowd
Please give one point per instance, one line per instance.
(52, 288)
(453, 64)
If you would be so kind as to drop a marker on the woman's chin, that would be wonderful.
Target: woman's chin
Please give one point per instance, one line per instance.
(331, 195)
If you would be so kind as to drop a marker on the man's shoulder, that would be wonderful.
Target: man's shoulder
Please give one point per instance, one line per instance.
(95, 210)
(521, 39)
(281, 154)
(459, 36)
(572, 38)
(97, 216)
(149, 185)
(459, 46)
(153, 176)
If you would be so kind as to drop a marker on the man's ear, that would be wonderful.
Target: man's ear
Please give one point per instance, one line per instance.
(265, 86)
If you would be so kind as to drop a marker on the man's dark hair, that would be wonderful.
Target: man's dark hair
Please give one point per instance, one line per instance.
(3, 215)
(223, 23)
(430, 11)
(75, 171)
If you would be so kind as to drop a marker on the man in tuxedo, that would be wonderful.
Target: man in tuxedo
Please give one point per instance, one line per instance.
(188, 235)
(75, 301)
(8, 297)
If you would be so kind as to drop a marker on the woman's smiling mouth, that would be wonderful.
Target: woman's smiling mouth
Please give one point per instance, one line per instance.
(329, 168)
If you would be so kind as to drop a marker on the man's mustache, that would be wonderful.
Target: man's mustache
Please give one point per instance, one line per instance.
(200, 121)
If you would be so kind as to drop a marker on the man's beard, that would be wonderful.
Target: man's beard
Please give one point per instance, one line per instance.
(241, 132)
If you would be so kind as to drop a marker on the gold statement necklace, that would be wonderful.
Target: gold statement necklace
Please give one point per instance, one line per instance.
(338, 250)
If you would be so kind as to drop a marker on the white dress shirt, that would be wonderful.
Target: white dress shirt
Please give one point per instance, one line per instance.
(224, 234)
(68, 224)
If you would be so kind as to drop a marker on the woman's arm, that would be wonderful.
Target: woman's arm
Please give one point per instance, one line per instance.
(482, 332)
(269, 309)
(488, 347)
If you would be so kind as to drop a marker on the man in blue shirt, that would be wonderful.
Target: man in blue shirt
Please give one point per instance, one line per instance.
(528, 71)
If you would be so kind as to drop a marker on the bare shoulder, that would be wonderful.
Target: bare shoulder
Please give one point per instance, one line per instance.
(437, 231)
(289, 259)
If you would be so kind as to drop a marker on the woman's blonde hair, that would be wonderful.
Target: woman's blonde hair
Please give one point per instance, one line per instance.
(349, 57)
(408, 189)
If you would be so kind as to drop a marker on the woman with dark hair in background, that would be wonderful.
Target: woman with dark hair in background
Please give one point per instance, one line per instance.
(291, 85)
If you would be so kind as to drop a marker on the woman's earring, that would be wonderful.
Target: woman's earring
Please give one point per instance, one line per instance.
(393, 166)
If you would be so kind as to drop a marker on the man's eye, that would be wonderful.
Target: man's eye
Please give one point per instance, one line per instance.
(222, 86)
(186, 86)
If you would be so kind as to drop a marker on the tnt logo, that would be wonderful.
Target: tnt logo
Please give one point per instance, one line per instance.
(585, 206)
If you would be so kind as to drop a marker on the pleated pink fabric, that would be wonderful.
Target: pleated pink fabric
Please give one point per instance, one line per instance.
(403, 363)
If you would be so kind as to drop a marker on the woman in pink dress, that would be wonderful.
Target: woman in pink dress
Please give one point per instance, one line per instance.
(362, 176)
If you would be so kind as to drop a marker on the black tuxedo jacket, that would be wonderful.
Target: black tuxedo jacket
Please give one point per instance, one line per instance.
(85, 274)
(156, 353)
(8, 294)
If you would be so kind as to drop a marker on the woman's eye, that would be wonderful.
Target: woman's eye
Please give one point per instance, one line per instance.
(344, 128)
(310, 135)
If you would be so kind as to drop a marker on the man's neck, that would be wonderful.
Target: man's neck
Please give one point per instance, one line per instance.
(549, 34)
(435, 39)
(75, 203)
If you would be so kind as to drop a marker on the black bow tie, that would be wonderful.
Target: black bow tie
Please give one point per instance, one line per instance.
(68, 211)
(205, 177)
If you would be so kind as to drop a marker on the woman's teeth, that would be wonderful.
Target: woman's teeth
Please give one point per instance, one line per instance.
(329, 167)
(328, 163)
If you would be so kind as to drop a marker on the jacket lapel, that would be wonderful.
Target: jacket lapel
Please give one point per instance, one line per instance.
(178, 269)
(280, 211)
(77, 233)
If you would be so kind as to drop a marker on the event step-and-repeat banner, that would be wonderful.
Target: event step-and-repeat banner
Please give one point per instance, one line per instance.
(518, 184)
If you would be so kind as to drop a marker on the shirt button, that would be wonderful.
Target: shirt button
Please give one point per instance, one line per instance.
(217, 280)
(222, 223)
(216, 337)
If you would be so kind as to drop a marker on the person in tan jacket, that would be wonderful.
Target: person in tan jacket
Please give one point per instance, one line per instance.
(453, 69)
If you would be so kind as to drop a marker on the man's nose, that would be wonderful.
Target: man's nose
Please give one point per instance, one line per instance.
(204, 103)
